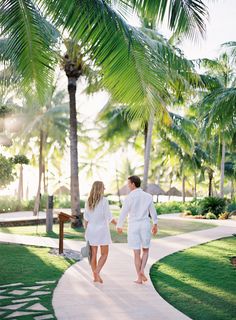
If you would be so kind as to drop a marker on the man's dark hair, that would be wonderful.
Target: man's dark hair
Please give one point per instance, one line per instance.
(136, 180)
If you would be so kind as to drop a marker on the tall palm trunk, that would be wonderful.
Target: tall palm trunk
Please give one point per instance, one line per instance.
(232, 189)
(210, 176)
(74, 181)
(147, 151)
(195, 185)
(20, 186)
(222, 170)
(183, 187)
(38, 195)
(73, 69)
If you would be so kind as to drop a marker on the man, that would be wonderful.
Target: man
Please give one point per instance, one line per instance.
(139, 206)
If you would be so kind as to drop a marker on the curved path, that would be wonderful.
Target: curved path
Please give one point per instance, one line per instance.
(77, 297)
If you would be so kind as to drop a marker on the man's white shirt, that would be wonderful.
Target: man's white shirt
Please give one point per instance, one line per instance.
(137, 206)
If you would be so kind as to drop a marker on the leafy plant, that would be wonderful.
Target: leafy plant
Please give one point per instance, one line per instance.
(212, 204)
(224, 216)
(6, 169)
(210, 215)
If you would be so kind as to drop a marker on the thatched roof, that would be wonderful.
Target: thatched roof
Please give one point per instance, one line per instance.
(188, 193)
(155, 189)
(174, 192)
(152, 188)
(62, 190)
(124, 191)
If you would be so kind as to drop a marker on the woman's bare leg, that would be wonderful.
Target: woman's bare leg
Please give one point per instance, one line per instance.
(93, 262)
(138, 262)
(102, 260)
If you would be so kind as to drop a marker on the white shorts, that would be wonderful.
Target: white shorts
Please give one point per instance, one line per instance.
(139, 235)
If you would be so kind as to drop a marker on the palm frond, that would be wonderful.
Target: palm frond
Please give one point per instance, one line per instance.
(29, 43)
(183, 16)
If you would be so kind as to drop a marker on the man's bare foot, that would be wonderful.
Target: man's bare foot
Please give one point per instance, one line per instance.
(144, 278)
(139, 281)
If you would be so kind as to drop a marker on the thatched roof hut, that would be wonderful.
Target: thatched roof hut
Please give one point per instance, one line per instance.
(188, 193)
(62, 190)
(155, 189)
(124, 191)
(174, 192)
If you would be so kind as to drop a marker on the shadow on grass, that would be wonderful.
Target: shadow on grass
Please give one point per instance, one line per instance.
(198, 281)
(26, 264)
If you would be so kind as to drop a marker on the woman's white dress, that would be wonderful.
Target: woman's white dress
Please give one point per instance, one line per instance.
(97, 231)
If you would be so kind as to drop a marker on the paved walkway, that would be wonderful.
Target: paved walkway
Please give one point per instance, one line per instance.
(77, 297)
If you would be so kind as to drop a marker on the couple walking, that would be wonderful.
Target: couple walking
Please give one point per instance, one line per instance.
(138, 206)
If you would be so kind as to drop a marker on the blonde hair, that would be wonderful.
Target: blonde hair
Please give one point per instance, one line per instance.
(95, 195)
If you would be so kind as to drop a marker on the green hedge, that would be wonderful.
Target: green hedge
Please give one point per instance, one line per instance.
(11, 204)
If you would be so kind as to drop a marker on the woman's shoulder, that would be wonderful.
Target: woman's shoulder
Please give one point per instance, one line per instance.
(104, 199)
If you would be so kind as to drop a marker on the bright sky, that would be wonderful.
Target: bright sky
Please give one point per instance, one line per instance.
(220, 28)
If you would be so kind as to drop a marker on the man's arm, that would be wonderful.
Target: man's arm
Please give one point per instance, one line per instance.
(153, 214)
(123, 215)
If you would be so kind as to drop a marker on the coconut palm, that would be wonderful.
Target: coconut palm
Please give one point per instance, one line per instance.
(220, 104)
(100, 26)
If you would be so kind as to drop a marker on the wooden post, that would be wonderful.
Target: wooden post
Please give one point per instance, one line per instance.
(49, 214)
(63, 217)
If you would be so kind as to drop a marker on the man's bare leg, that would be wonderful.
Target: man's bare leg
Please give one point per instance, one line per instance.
(101, 261)
(138, 262)
(143, 263)
(93, 263)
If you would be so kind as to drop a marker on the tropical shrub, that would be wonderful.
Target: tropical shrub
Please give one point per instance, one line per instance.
(210, 215)
(212, 204)
(224, 216)
(170, 207)
(231, 207)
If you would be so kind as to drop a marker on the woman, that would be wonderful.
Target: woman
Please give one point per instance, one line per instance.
(97, 217)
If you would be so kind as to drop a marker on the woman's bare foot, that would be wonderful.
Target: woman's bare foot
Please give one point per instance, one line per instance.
(97, 277)
(144, 278)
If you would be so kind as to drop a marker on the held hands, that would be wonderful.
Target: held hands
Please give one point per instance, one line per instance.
(154, 229)
(119, 230)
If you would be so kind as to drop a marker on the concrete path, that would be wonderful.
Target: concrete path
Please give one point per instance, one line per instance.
(77, 297)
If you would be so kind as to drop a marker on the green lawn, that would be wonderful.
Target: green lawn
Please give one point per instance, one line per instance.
(28, 264)
(200, 281)
(166, 228)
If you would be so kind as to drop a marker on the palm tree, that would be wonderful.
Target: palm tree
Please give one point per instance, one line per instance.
(21, 160)
(219, 105)
(49, 124)
(98, 25)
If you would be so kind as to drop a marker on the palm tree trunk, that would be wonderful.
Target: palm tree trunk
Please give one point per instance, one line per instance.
(210, 176)
(20, 186)
(222, 170)
(183, 188)
(74, 182)
(232, 189)
(147, 151)
(195, 185)
(38, 196)
(118, 189)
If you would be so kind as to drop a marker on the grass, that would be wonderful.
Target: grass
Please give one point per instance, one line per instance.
(30, 264)
(166, 228)
(200, 281)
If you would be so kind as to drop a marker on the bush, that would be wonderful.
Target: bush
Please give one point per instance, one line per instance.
(210, 215)
(193, 207)
(170, 207)
(11, 204)
(224, 216)
(212, 204)
(231, 207)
